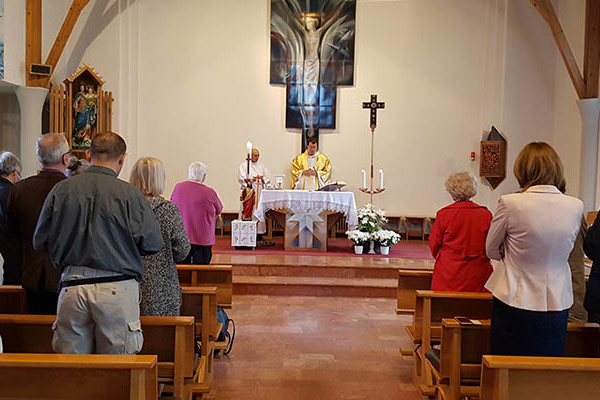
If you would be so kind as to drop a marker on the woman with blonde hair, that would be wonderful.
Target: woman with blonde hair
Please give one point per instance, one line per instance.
(531, 236)
(457, 239)
(160, 293)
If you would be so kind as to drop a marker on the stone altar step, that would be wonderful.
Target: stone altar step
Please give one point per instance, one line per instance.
(314, 286)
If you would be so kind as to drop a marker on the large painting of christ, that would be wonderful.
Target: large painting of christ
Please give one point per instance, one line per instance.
(312, 52)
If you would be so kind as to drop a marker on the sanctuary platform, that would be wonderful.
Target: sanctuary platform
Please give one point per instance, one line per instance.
(338, 272)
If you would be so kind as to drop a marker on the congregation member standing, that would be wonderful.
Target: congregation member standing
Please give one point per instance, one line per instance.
(96, 227)
(457, 239)
(591, 245)
(252, 176)
(10, 173)
(531, 235)
(160, 291)
(39, 278)
(199, 206)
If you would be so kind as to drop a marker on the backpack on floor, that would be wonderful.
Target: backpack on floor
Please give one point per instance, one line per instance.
(224, 335)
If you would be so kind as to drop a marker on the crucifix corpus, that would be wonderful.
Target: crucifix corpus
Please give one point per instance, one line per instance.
(373, 106)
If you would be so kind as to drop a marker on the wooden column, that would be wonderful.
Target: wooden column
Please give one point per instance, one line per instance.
(546, 10)
(33, 37)
(591, 61)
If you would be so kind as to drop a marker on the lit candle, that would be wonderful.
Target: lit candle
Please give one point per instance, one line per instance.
(381, 179)
(249, 147)
(364, 176)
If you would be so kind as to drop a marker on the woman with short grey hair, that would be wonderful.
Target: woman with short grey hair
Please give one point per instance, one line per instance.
(199, 206)
(462, 186)
(197, 171)
(457, 239)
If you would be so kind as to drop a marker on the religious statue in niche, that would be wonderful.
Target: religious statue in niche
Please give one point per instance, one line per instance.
(88, 109)
(312, 52)
(85, 107)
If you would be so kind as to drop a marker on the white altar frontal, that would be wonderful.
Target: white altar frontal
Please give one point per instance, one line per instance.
(307, 214)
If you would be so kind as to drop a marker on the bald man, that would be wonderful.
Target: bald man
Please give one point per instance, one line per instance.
(259, 176)
(39, 278)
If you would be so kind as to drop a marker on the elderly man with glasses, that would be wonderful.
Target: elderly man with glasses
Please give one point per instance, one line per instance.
(26, 199)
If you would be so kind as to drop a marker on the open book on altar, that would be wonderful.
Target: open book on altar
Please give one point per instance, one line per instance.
(333, 187)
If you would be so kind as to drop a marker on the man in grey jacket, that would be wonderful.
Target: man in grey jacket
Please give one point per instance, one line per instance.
(95, 228)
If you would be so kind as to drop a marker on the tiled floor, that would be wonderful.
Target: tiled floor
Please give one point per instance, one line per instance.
(315, 348)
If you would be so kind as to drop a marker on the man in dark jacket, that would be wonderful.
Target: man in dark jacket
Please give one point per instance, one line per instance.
(591, 246)
(10, 173)
(39, 279)
(96, 228)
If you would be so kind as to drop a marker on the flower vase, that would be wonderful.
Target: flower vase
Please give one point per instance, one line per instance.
(372, 248)
(385, 250)
(358, 249)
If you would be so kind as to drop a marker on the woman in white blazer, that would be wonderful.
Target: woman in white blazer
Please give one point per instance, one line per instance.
(531, 235)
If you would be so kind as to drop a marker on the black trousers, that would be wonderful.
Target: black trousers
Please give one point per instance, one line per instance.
(42, 302)
(199, 255)
(518, 332)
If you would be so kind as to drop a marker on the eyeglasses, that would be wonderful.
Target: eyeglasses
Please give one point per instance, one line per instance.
(70, 157)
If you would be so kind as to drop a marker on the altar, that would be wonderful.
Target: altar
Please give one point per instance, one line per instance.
(307, 215)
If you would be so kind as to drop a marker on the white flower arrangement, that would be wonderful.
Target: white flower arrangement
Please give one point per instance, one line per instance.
(371, 220)
(359, 238)
(386, 238)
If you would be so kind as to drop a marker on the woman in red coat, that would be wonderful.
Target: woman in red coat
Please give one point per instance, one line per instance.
(457, 239)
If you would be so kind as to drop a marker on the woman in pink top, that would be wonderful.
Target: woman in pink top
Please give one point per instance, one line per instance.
(199, 206)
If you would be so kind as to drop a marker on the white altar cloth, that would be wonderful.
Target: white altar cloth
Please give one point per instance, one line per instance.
(304, 200)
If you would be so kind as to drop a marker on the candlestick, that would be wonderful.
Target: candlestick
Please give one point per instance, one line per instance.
(364, 179)
(381, 179)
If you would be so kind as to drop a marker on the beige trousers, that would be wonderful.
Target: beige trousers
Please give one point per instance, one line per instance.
(102, 318)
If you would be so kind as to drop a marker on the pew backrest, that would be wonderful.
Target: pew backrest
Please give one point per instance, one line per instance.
(13, 300)
(433, 306)
(74, 376)
(219, 276)
(537, 378)
(409, 281)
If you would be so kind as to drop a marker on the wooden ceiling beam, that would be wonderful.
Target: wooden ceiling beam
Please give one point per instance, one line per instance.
(33, 38)
(63, 36)
(591, 61)
(546, 10)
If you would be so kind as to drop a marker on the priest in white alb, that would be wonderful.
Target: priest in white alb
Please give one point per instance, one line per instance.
(252, 176)
(311, 170)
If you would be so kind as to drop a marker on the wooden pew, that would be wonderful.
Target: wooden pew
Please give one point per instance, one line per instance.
(13, 300)
(172, 339)
(201, 303)
(75, 377)
(462, 347)
(537, 378)
(426, 329)
(409, 281)
(211, 275)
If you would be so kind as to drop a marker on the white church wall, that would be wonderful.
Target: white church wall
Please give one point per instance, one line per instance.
(191, 83)
(14, 41)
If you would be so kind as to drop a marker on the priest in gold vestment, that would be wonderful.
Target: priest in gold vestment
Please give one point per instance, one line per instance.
(311, 170)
